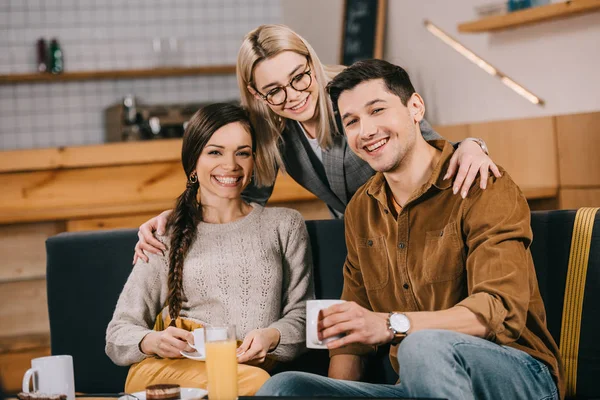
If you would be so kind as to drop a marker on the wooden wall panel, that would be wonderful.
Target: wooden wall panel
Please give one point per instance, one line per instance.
(525, 148)
(23, 250)
(579, 149)
(453, 133)
(576, 198)
(23, 308)
(15, 357)
(14, 364)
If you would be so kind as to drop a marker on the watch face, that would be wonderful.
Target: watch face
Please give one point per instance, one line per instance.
(400, 323)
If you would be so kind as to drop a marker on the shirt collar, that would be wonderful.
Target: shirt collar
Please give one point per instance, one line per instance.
(377, 186)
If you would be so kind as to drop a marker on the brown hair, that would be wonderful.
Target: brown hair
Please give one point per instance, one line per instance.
(183, 221)
(396, 79)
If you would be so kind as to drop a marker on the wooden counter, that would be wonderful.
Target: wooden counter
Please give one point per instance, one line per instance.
(106, 180)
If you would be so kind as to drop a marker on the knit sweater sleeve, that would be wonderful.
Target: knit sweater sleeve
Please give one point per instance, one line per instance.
(297, 288)
(142, 298)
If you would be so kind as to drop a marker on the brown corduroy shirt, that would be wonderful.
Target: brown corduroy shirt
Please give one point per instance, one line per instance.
(443, 251)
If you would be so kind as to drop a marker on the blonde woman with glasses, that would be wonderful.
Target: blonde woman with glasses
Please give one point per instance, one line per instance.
(282, 84)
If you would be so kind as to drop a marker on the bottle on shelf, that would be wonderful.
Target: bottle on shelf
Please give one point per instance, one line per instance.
(57, 64)
(515, 5)
(42, 55)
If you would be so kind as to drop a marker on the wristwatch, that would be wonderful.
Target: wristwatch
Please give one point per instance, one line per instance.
(481, 144)
(399, 324)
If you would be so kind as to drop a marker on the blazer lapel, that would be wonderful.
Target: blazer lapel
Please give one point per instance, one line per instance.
(333, 162)
(299, 166)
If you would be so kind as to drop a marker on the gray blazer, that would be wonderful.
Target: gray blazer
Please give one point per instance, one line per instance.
(345, 171)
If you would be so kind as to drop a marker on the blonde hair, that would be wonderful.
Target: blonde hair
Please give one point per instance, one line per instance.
(263, 43)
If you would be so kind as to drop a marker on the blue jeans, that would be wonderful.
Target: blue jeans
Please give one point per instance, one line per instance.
(438, 364)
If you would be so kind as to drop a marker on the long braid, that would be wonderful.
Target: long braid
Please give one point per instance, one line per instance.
(183, 222)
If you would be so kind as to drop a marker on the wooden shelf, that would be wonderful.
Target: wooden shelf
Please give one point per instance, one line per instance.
(529, 16)
(118, 74)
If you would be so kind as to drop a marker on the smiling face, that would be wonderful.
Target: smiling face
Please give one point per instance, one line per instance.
(280, 70)
(225, 165)
(380, 129)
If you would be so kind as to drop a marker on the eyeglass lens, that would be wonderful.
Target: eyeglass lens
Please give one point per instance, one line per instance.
(300, 82)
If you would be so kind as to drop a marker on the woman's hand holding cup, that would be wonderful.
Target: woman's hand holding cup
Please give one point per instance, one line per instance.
(168, 343)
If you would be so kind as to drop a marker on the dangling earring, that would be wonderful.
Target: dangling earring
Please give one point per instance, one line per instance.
(192, 180)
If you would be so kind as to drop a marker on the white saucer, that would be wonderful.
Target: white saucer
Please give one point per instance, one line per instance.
(186, 393)
(193, 355)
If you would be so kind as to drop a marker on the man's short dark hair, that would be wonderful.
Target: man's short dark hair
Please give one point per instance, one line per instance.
(395, 78)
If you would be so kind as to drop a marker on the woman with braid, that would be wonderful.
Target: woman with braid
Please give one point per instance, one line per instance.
(227, 262)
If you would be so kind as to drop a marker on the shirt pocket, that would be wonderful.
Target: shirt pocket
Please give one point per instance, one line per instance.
(442, 256)
(373, 259)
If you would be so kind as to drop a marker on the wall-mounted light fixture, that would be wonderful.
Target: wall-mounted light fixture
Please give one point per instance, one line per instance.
(481, 63)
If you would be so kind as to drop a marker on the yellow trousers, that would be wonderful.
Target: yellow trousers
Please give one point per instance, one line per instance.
(188, 373)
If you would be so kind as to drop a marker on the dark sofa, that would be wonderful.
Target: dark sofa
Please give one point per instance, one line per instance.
(86, 272)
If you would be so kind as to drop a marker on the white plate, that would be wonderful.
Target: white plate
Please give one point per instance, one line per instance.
(194, 355)
(186, 393)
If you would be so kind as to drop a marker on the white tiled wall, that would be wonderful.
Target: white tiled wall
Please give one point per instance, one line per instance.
(114, 34)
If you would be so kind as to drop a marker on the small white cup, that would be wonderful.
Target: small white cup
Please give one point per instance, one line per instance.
(198, 340)
(52, 375)
(312, 319)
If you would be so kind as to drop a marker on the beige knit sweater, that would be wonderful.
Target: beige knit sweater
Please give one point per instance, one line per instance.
(255, 272)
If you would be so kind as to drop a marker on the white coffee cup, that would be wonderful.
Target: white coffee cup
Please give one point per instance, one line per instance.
(312, 319)
(51, 375)
(198, 340)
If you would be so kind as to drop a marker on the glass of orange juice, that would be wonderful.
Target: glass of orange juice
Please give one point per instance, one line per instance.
(221, 362)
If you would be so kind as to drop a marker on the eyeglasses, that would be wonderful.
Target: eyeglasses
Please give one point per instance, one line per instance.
(278, 95)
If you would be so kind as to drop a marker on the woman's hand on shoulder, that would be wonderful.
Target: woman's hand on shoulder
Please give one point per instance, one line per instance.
(147, 241)
(168, 343)
(470, 160)
(257, 344)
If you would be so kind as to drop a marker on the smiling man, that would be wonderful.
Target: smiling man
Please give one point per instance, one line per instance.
(450, 282)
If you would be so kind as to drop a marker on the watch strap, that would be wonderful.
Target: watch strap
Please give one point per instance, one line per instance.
(481, 144)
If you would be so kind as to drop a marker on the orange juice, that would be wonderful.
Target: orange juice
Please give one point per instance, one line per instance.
(221, 366)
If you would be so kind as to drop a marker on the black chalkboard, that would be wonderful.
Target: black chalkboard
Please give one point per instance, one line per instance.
(363, 29)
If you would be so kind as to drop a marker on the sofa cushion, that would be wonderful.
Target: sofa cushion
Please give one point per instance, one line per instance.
(86, 272)
(551, 250)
